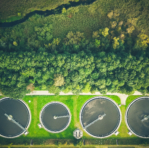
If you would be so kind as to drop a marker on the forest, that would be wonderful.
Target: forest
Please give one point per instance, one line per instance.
(114, 59)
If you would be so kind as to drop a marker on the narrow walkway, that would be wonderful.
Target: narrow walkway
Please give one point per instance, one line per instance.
(123, 97)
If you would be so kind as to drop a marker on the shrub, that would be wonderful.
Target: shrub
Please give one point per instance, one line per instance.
(64, 10)
(110, 14)
(15, 43)
(58, 80)
(116, 43)
(97, 43)
(87, 88)
(130, 29)
(105, 32)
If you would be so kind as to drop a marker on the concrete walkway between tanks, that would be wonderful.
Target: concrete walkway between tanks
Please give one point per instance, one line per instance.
(123, 97)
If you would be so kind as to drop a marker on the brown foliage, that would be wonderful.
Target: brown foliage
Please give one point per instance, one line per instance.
(120, 23)
(130, 29)
(58, 80)
(73, 38)
(69, 15)
(113, 24)
(30, 87)
(95, 34)
(122, 36)
(132, 21)
(110, 14)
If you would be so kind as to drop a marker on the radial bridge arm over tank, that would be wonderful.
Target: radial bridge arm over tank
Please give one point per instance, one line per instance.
(145, 118)
(55, 117)
(100, 117)
(11, 119)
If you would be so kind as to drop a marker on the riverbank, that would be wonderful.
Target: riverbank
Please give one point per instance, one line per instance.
(18, 9)
(9, 10)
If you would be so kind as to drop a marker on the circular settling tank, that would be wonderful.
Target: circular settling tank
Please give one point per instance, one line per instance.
(15, 118)
(55, 117)
(137, 117)
(100, 117)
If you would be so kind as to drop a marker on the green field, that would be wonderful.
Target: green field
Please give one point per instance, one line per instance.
(11, 10)
(75, 104)
(37, 103)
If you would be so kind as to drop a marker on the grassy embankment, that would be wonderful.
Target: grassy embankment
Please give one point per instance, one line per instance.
(83, 18)
(16, 9)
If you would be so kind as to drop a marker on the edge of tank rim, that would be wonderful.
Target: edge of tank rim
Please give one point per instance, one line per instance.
(126, 116)
(45, 107)
(28, 123)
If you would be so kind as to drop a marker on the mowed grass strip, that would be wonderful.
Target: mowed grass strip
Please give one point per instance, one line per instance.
(123, 127)
(34, 130)
(73, 102)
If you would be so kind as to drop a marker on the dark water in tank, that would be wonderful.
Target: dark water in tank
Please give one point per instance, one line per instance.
(135, 114)
(98, 107)
(20, 114)
(52, 110)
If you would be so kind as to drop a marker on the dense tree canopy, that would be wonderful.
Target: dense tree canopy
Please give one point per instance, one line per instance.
(112, 61)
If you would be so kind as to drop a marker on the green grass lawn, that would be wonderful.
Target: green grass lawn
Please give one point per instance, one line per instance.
(37, 103)
(75, 104)
(123, 127)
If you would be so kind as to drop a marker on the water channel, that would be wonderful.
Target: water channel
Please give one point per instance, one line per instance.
(57, 10)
